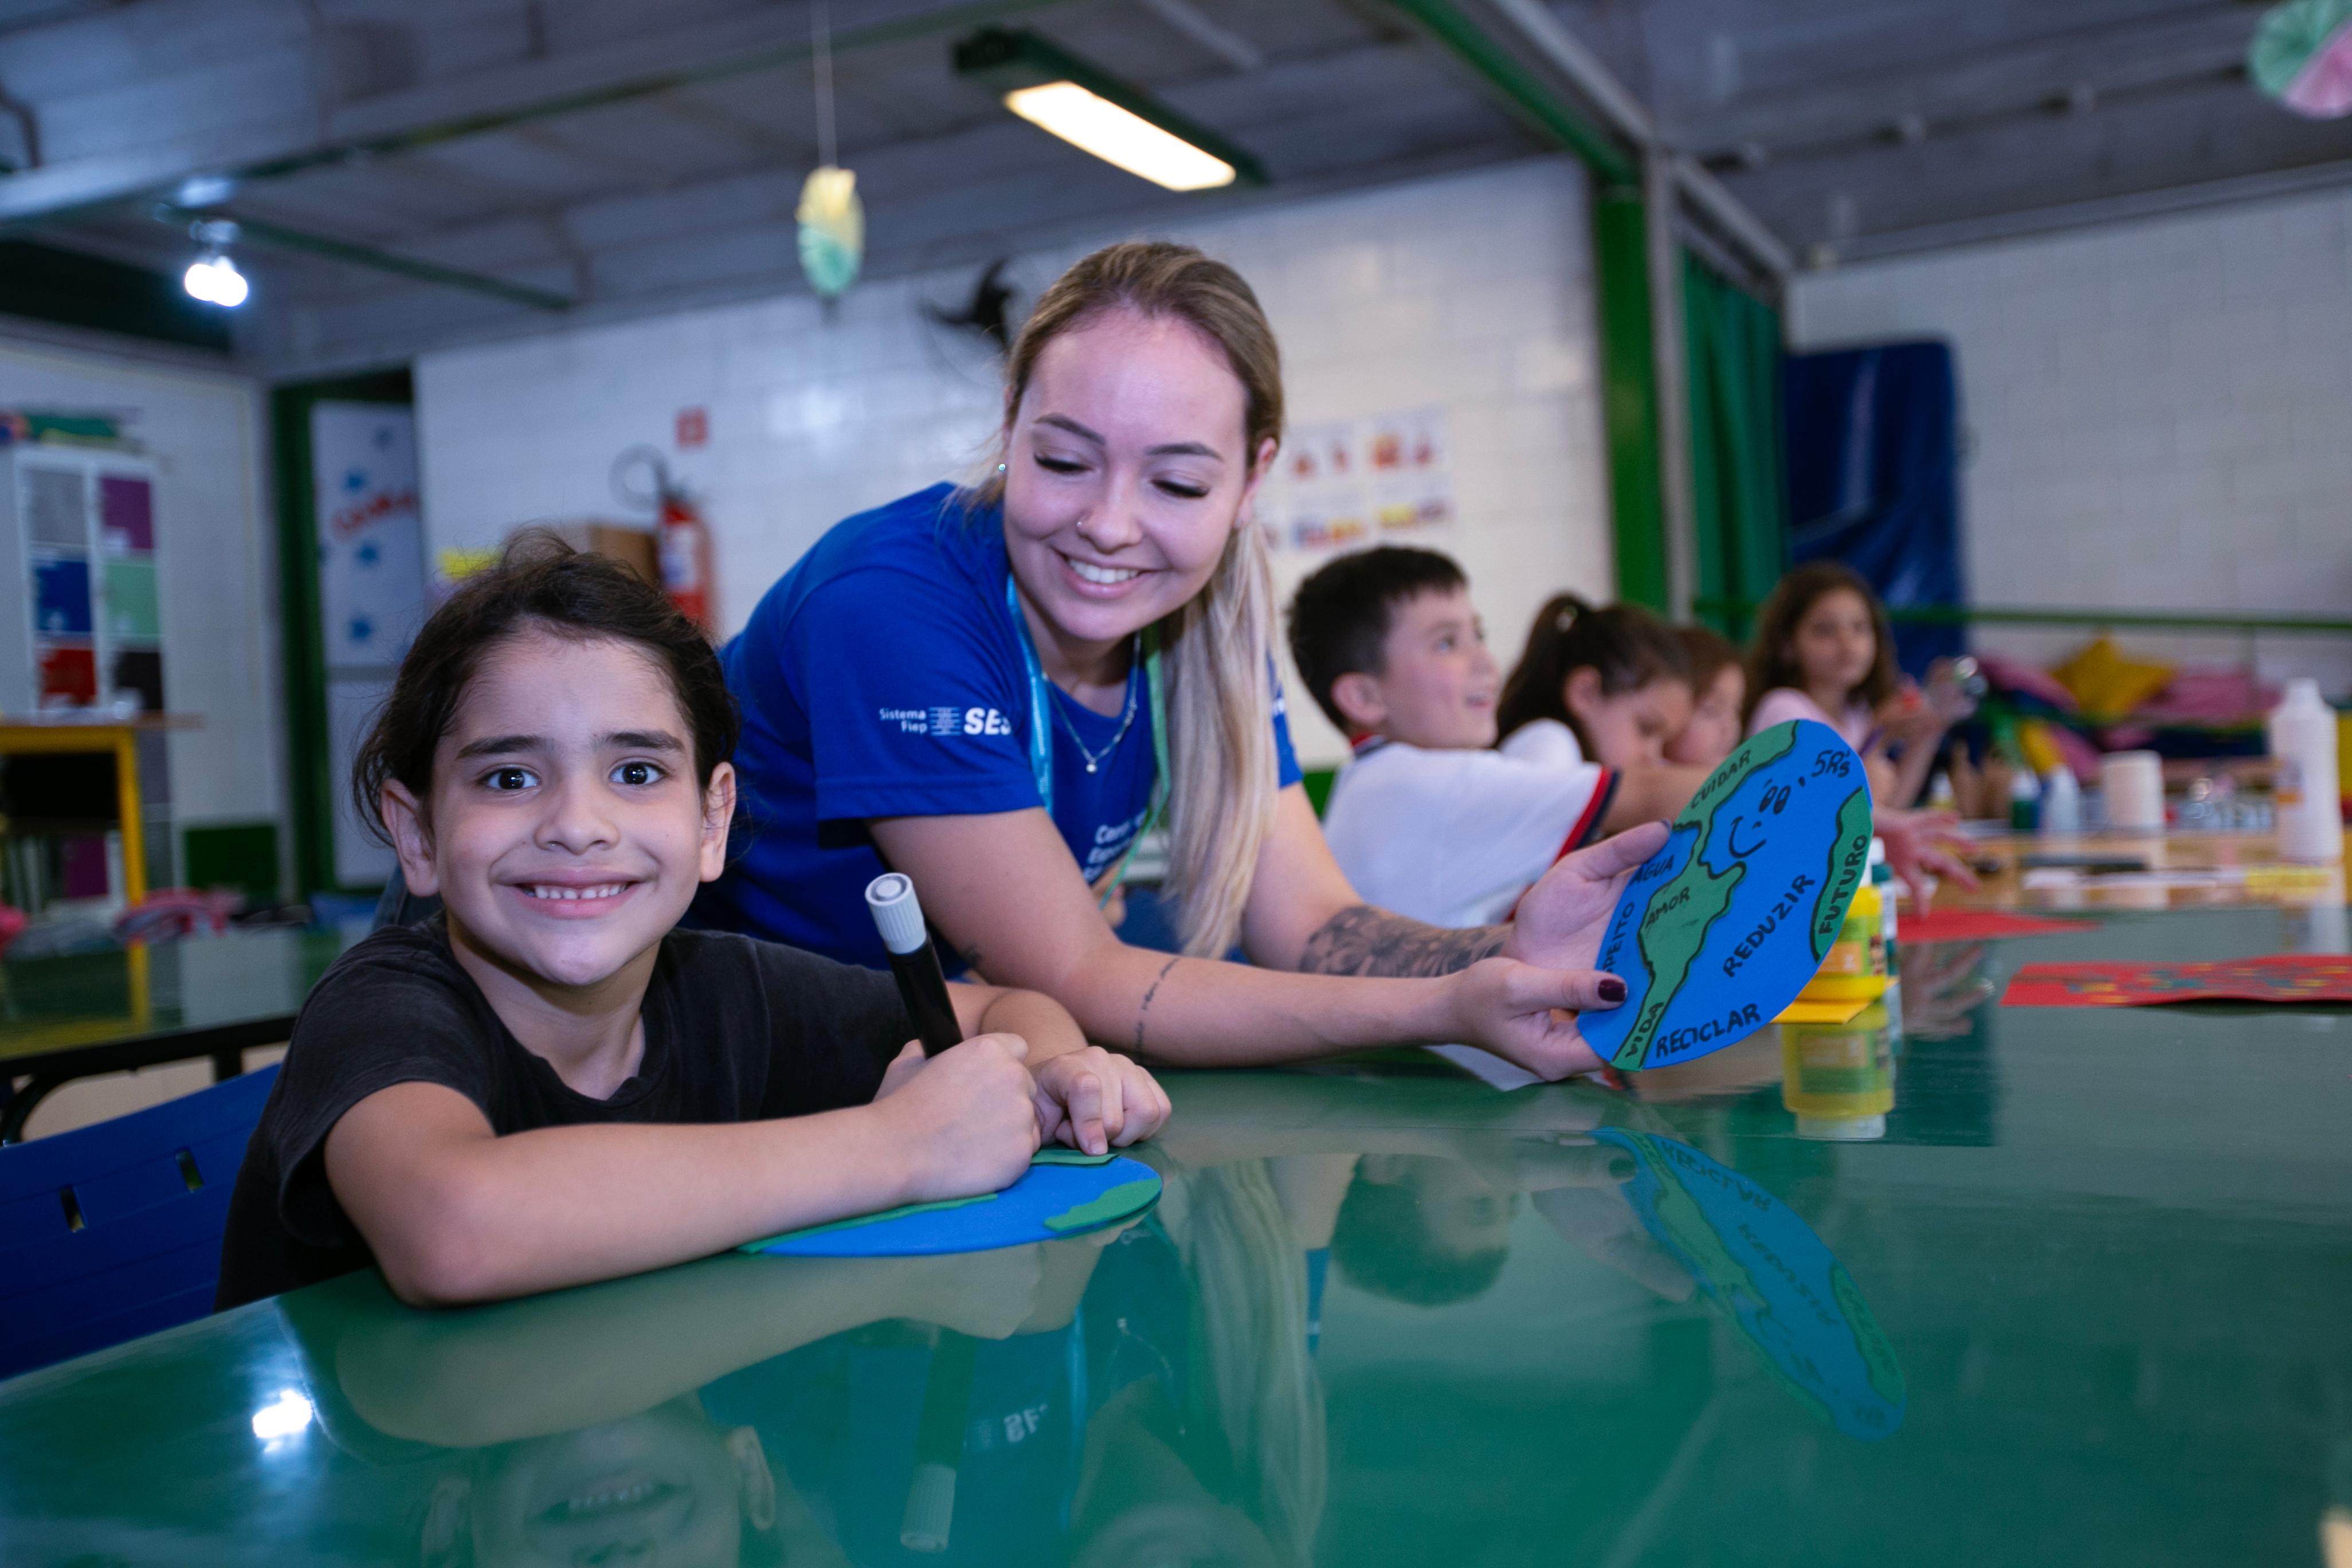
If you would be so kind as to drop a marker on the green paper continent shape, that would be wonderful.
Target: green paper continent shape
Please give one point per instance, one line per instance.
(1669, 945)
(1055, 1154)
(1116, 1203)
(1849, 863)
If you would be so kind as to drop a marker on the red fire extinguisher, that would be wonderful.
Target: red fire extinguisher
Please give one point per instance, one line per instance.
(683, 538)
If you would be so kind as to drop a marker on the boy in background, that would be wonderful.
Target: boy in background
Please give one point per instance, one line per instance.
(1427, 820)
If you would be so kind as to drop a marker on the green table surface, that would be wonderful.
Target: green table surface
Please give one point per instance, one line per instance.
(2108, 1254)
(54, 1007)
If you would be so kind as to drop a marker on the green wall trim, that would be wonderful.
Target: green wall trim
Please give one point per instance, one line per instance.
(2089, 619)
(313, 786)
(1629, 405)
(239, 855)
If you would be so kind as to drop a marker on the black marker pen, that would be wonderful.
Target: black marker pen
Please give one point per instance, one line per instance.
(922, 985)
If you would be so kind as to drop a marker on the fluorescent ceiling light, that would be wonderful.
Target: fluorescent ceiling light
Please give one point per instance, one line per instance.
(1098, 126)
(1097, 112)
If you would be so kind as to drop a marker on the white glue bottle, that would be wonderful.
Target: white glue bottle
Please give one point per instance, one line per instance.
(2303, 746)
(2061, 801)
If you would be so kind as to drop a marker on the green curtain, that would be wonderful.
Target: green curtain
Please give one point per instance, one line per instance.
(1739, 504)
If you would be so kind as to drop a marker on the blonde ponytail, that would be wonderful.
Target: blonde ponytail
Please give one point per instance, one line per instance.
(1220, 742)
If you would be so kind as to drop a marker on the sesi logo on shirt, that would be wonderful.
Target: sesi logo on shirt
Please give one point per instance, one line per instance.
(945, 721)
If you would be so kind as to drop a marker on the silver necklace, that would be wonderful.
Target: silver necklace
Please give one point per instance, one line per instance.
(1096, 759)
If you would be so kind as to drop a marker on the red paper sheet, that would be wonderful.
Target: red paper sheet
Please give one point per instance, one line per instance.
(2284, 978)
(1981, 925)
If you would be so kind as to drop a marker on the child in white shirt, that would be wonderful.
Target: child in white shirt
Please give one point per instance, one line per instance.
(1427, 820)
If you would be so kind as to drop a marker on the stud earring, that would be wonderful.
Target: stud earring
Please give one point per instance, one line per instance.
(1000, 468)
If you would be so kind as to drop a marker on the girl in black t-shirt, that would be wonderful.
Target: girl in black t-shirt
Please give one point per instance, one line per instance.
(548, 1084)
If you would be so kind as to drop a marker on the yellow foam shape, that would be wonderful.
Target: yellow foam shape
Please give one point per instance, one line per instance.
(2289, 878)
(1803, 1010)
(2103, 681)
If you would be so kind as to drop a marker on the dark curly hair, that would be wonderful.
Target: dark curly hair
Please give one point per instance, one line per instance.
(541, 583)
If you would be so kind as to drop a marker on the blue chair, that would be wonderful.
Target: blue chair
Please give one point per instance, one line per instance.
(113, 1231)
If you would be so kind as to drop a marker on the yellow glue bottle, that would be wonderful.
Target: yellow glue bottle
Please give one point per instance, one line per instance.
(1856, 969)
(1839, 1081)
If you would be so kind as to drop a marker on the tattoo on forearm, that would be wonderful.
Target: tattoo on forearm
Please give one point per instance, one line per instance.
(1144, 1011)
(1366, 940)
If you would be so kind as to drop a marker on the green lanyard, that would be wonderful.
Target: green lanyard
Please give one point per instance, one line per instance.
(1041, 729)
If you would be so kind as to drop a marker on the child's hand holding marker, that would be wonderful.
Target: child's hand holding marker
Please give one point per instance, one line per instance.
(1088, 1098)
(965, 1117)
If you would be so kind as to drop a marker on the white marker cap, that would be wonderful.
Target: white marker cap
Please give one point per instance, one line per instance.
(930, 1505)
(896, 914)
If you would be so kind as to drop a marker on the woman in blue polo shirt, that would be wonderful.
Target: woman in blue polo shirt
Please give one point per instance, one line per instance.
(998, 689)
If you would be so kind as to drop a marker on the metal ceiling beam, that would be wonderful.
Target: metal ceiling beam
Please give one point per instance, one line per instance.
(2023, 76)
(1746, 232)
(278, 235)
(1544, 33)
(1304, 104)
(2278, 184)
(428, 117)
(1523, 89)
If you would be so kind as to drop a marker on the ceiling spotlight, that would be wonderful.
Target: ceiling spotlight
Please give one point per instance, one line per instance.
(1097, 112)
(213, 277)
(216, 282)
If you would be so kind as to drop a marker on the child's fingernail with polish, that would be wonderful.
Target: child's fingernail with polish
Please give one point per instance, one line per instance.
(1611, 988)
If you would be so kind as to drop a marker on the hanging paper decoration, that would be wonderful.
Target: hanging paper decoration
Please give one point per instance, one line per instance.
(2302, 55)
(833, 220)
(833, 230)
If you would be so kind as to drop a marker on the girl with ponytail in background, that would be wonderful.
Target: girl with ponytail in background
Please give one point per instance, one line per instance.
(1610, 686)
(1617, 686)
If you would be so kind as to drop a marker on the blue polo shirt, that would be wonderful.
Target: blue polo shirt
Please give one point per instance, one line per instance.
(882, 676)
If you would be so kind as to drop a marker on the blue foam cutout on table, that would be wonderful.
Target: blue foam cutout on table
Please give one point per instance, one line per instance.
(1012, 1217)
(1745, 899)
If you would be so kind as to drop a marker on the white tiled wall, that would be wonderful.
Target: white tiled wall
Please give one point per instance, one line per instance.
(2159, 414)
(1471, 292)
(214, 540)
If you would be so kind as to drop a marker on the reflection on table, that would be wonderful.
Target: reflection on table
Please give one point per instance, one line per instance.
(73, 1016)
(1387, 1314)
